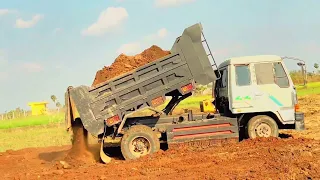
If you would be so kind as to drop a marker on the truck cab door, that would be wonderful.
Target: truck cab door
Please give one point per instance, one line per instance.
(262, 87)
(275, 89)
(240, 87)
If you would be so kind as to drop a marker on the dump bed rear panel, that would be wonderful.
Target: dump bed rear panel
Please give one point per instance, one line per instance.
(187, 63)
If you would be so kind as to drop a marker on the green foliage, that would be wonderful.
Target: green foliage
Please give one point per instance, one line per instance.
(316, 65)
(55, 101)
(17, 113)
(53, 98)
(58, 104)
(297, 77)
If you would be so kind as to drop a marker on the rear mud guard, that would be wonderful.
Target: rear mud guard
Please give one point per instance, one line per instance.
(103, 156)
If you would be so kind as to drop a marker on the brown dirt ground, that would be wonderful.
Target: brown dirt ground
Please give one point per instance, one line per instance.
(296, 156)
(124, 63)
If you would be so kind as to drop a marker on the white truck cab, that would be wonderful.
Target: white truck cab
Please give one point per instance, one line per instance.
(259, 91)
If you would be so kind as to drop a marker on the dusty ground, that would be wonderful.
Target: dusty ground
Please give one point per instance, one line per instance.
(295, 156)
(310, 105)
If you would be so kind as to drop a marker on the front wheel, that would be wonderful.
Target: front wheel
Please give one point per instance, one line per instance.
(262, 126)
(139, 141)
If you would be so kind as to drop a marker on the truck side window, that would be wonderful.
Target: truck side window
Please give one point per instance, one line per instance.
(243, 75)
(264, 73)
(281, 77)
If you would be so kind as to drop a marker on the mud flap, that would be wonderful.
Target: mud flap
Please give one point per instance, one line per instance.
(104, 158)
(211, 129)
(299, 121)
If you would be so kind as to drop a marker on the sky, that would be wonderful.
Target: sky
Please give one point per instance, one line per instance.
(46, 46)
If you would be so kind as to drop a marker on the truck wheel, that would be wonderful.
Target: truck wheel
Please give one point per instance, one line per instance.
(262, 126)
(139, 141)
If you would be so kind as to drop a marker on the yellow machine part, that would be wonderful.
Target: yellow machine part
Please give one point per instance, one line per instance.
(207, 106)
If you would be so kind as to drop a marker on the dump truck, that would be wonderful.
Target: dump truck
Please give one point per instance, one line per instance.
(253, 96)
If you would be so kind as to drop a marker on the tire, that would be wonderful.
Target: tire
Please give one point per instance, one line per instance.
(140, 138)
(262, 126)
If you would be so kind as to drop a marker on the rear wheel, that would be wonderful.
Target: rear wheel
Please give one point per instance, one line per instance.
(262, 126)
(139, 141)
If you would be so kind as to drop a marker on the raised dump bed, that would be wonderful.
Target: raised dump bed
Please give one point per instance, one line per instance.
(147, 86)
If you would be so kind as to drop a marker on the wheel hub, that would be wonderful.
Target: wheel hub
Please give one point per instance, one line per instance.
(140, 146)
(263, 130)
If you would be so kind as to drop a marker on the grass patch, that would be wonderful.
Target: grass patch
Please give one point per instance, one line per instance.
(32, 121)
(191, 102)
(37, 136)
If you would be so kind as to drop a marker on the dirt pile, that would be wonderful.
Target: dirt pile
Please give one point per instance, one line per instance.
(124, 63)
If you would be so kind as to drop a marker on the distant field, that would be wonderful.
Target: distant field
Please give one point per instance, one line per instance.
(312, 88)
(32, 121)
(36, 136)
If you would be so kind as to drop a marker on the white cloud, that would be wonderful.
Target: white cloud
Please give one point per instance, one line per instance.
(160, 34)
(171, 3)
(130, 48)
(32, 67)
(6, 11)
(109, 20)
(20, 23)
(136, 47)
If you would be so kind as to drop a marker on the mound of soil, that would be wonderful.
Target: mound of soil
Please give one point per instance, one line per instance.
(124, 63)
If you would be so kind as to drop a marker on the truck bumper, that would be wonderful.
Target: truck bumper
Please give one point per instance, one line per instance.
(299, 121)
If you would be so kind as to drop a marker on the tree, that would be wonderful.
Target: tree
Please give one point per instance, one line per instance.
(316, 65)
(58, 105)
(54, 98)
